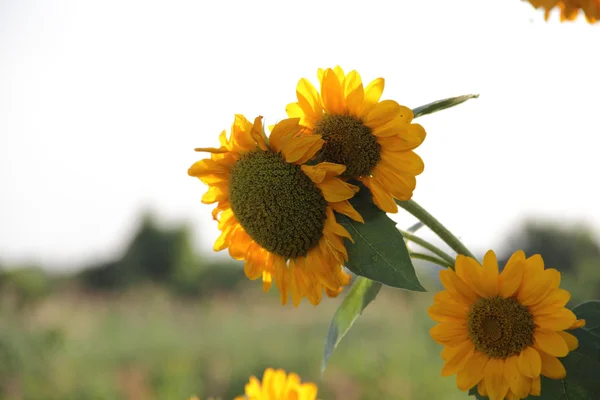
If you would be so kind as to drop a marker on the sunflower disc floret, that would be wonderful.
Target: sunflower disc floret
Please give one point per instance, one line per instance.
(275, 211)
(374, 139)
(501, 331)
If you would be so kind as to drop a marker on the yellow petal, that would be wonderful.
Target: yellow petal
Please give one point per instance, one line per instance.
(442, 312)
(382, 113)
(206, 167)
(536, 386)
(489, 276)
(580, 323)
(332, 93)
(556, 298)
(457, 288)
(405, 161)
(472, 372)
(308, 98)
(258, 135)
(335, 190)
(529, 362)
(215, 193)
(253, 267)
(400, 186)
(299, 147)
(535, 286)
(560, 320)
(449, 333)
(394, 128)
(318, 173)
(518, 383)
(550, 342)
(571, 340)
(381, 197)
(511, 278)
(552, 367)
(469, 271)
(407, 138)
(283, 129)
(481, 388)
(344, 207)
(456, 357)
(495, 383)
(354, 92)
(372, 95)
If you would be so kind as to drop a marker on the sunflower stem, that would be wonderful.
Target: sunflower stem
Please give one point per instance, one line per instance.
(425, 244)
(431, 259)
(436, 226)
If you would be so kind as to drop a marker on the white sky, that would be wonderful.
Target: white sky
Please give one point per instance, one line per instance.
(102, 103)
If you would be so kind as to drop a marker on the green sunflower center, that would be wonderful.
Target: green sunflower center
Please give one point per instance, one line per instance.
(277, 204)
(349, 142)
(500, 327)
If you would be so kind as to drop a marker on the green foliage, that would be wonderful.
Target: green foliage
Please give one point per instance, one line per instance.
(25, 286)
(582, 364)
(361, 294)
(379, 252)
(442, 104)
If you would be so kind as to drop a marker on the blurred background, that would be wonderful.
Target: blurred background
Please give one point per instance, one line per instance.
(109, 288)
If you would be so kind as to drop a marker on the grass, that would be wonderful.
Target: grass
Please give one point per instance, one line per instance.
(148, 345)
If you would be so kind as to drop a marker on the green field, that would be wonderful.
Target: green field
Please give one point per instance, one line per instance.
(145, 344)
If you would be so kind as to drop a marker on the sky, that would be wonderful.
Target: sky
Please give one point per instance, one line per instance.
(102, 104)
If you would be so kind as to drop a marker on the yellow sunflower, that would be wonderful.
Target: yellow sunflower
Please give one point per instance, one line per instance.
(373, 139)
(276, 385)
(502, 330)
(275, 212)
(569, 9)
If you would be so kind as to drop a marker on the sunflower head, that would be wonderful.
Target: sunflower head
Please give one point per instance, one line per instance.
(275, 211)
(277, 385)
(500, 331)
(374, 139)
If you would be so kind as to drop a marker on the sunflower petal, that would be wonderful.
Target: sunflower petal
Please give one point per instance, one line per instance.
(283, 129)
(550, 342)
(472, 372)
(456, 357)
(518, 383)
(344, 207)
(552, 367)
(511, 278)
(560, 320)
(489, 277)
(382, 113)
(495, 383)
(571, 341)
(381, 197)
(372, 95)
(529, 362)
(332, 93)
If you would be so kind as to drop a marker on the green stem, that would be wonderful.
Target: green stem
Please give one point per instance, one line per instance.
(432, 259)
(425, 244)
(422, 215)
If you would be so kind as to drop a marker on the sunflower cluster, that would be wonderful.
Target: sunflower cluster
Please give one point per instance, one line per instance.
(280, 198)
(569, 9)
(277, 195)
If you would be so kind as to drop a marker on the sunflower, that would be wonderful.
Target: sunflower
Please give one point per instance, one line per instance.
(276, 212)
(569, 9)
(502, 330)
(277, 385)
(373, 139)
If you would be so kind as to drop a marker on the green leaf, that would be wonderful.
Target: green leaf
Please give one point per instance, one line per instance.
(379, 251)
(362, 292)
(582, 364)
(590, 311)
(442, 104)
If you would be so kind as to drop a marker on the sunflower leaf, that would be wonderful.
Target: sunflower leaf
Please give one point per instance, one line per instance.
(582, 364)
(379, 251)
(442, 104)
(362, 292)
